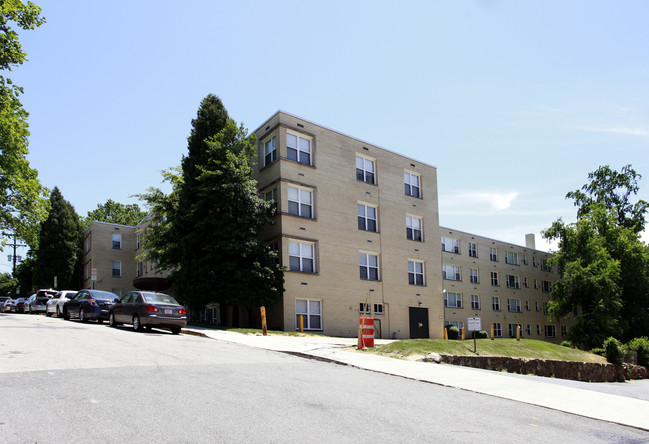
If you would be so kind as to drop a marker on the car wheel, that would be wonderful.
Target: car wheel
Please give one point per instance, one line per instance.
(175, 330)
(58, 312)
(66, 315)
(136, 323)
(82, 315)
(48, 314)
(111, 320)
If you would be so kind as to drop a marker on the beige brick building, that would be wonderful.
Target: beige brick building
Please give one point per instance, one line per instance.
(505, 285)
(354, 223)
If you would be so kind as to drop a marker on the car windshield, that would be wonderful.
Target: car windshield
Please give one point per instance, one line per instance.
(159, 298)
(104, 295)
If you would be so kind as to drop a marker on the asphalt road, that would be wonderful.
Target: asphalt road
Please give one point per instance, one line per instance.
(67, 382)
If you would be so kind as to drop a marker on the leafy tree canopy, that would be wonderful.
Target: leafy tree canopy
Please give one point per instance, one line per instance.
(59, 253)
(8, 285)
(22, 198)
(116, 213)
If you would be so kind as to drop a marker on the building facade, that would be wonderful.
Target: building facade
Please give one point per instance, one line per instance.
(505, 285)
(356, 227)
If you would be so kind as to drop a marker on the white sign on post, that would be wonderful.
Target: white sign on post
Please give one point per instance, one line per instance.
(475, 324)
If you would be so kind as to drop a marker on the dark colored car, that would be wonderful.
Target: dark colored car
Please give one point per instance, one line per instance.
(19, 305)
(144, 309)
(89, 304)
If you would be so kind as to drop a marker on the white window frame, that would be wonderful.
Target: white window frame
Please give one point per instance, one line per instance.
(474, 277)
(546, 286)
(365, 260)
(493, 254)
(117, 241)
(450, 245)
(456, 299)
(412, 182)
(475, 302)
(300, 201)
(414, 230)
(366, 217)
(309, 313)
(138, 269)
(550, 331)
(495, 280)
(511, 257)
(416, 273)
(365, 170)
(303, 252)
(299, 148)
(116, 266)
(512, 330)
(378, 309)
(545, 265)
(498, 330)
(564, 331)
(514, 305)
(513, 281)
(473, 249)
(270, 150)
(364, 308)
(451, 272)
(271, 196)
(495, 303)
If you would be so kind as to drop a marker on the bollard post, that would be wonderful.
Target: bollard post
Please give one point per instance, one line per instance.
(301, 323)
(463, 333)
(492, 332)
(518, 332)
(445, 333)
(264, 329)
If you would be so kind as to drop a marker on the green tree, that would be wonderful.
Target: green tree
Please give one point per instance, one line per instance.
(8, 285)
(116, 213)
(22, 198)
(603, 264)
(206, 229)
(59, 253)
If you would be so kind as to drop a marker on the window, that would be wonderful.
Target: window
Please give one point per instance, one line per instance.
(527, 305)
(538, 329)
(415, 273)
(564, 331)
(300, 202)
(475, 302)
(270, 151)
(367, 218)
(534, 263)
(498, 331)
(298, 149)
(138, 242)
(473, 249)
(378, 309)
(512, 281)
(493, 254)
(525, 262)
(86, 271)
(413, 228)
(536, 305)
(458, 324)
(311, 312)
(526, 283)
(451, 272)
(412, 186)
(138, 271)
(365, 170)
(271, 196)
(494, 279)
(529, 329)
(513, 328)
(116, 267)
(301, 256)
(450, 245)
(453, 300)
(546, 286)
(550, 331)
(369, 266)
(117, 241)
(495, 303)
(545, 265)
(546, 310)
(511, 258)
(473, 275)
(536, 284)
(87, 244)
(514, 305)
(365, 308)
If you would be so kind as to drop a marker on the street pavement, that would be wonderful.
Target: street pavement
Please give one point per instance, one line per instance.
(612, 402)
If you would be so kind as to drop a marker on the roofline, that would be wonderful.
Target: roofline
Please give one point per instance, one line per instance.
(342, 134)
(496, 240)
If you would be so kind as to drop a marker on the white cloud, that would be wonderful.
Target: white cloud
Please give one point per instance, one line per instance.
(641, 132)
(497, 201)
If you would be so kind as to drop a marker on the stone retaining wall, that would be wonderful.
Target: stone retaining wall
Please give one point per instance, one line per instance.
(578, 371)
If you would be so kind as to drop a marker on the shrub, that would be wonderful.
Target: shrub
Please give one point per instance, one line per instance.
(614, 351)
(566, 344)
(482, 335)
(641, 347)
(598, 351)
(453, 331)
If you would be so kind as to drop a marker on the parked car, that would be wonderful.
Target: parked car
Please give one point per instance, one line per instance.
(7, 305)
(36, 303)
(89, 304)
(19, 305)
(28, 303)
(144, 309)
(55, 305)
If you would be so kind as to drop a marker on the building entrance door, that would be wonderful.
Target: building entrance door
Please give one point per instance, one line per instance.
(419, 323)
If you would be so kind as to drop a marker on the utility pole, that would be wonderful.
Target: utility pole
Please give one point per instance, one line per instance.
(15, 245)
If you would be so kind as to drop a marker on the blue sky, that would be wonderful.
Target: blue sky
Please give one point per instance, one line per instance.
(513, 101)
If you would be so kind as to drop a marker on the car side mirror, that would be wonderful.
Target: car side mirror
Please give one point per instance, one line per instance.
(116, 301)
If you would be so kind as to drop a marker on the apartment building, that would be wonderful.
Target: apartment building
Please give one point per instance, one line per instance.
(112, 251)
(505, 285)
(356, 227)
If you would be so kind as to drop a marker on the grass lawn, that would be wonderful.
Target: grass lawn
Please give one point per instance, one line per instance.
(525, 348)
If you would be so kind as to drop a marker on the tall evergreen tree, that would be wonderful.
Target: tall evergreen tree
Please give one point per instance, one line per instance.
(206, 229)
(59, 253)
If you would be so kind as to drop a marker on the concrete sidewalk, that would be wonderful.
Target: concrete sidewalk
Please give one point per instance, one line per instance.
(589, 403)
